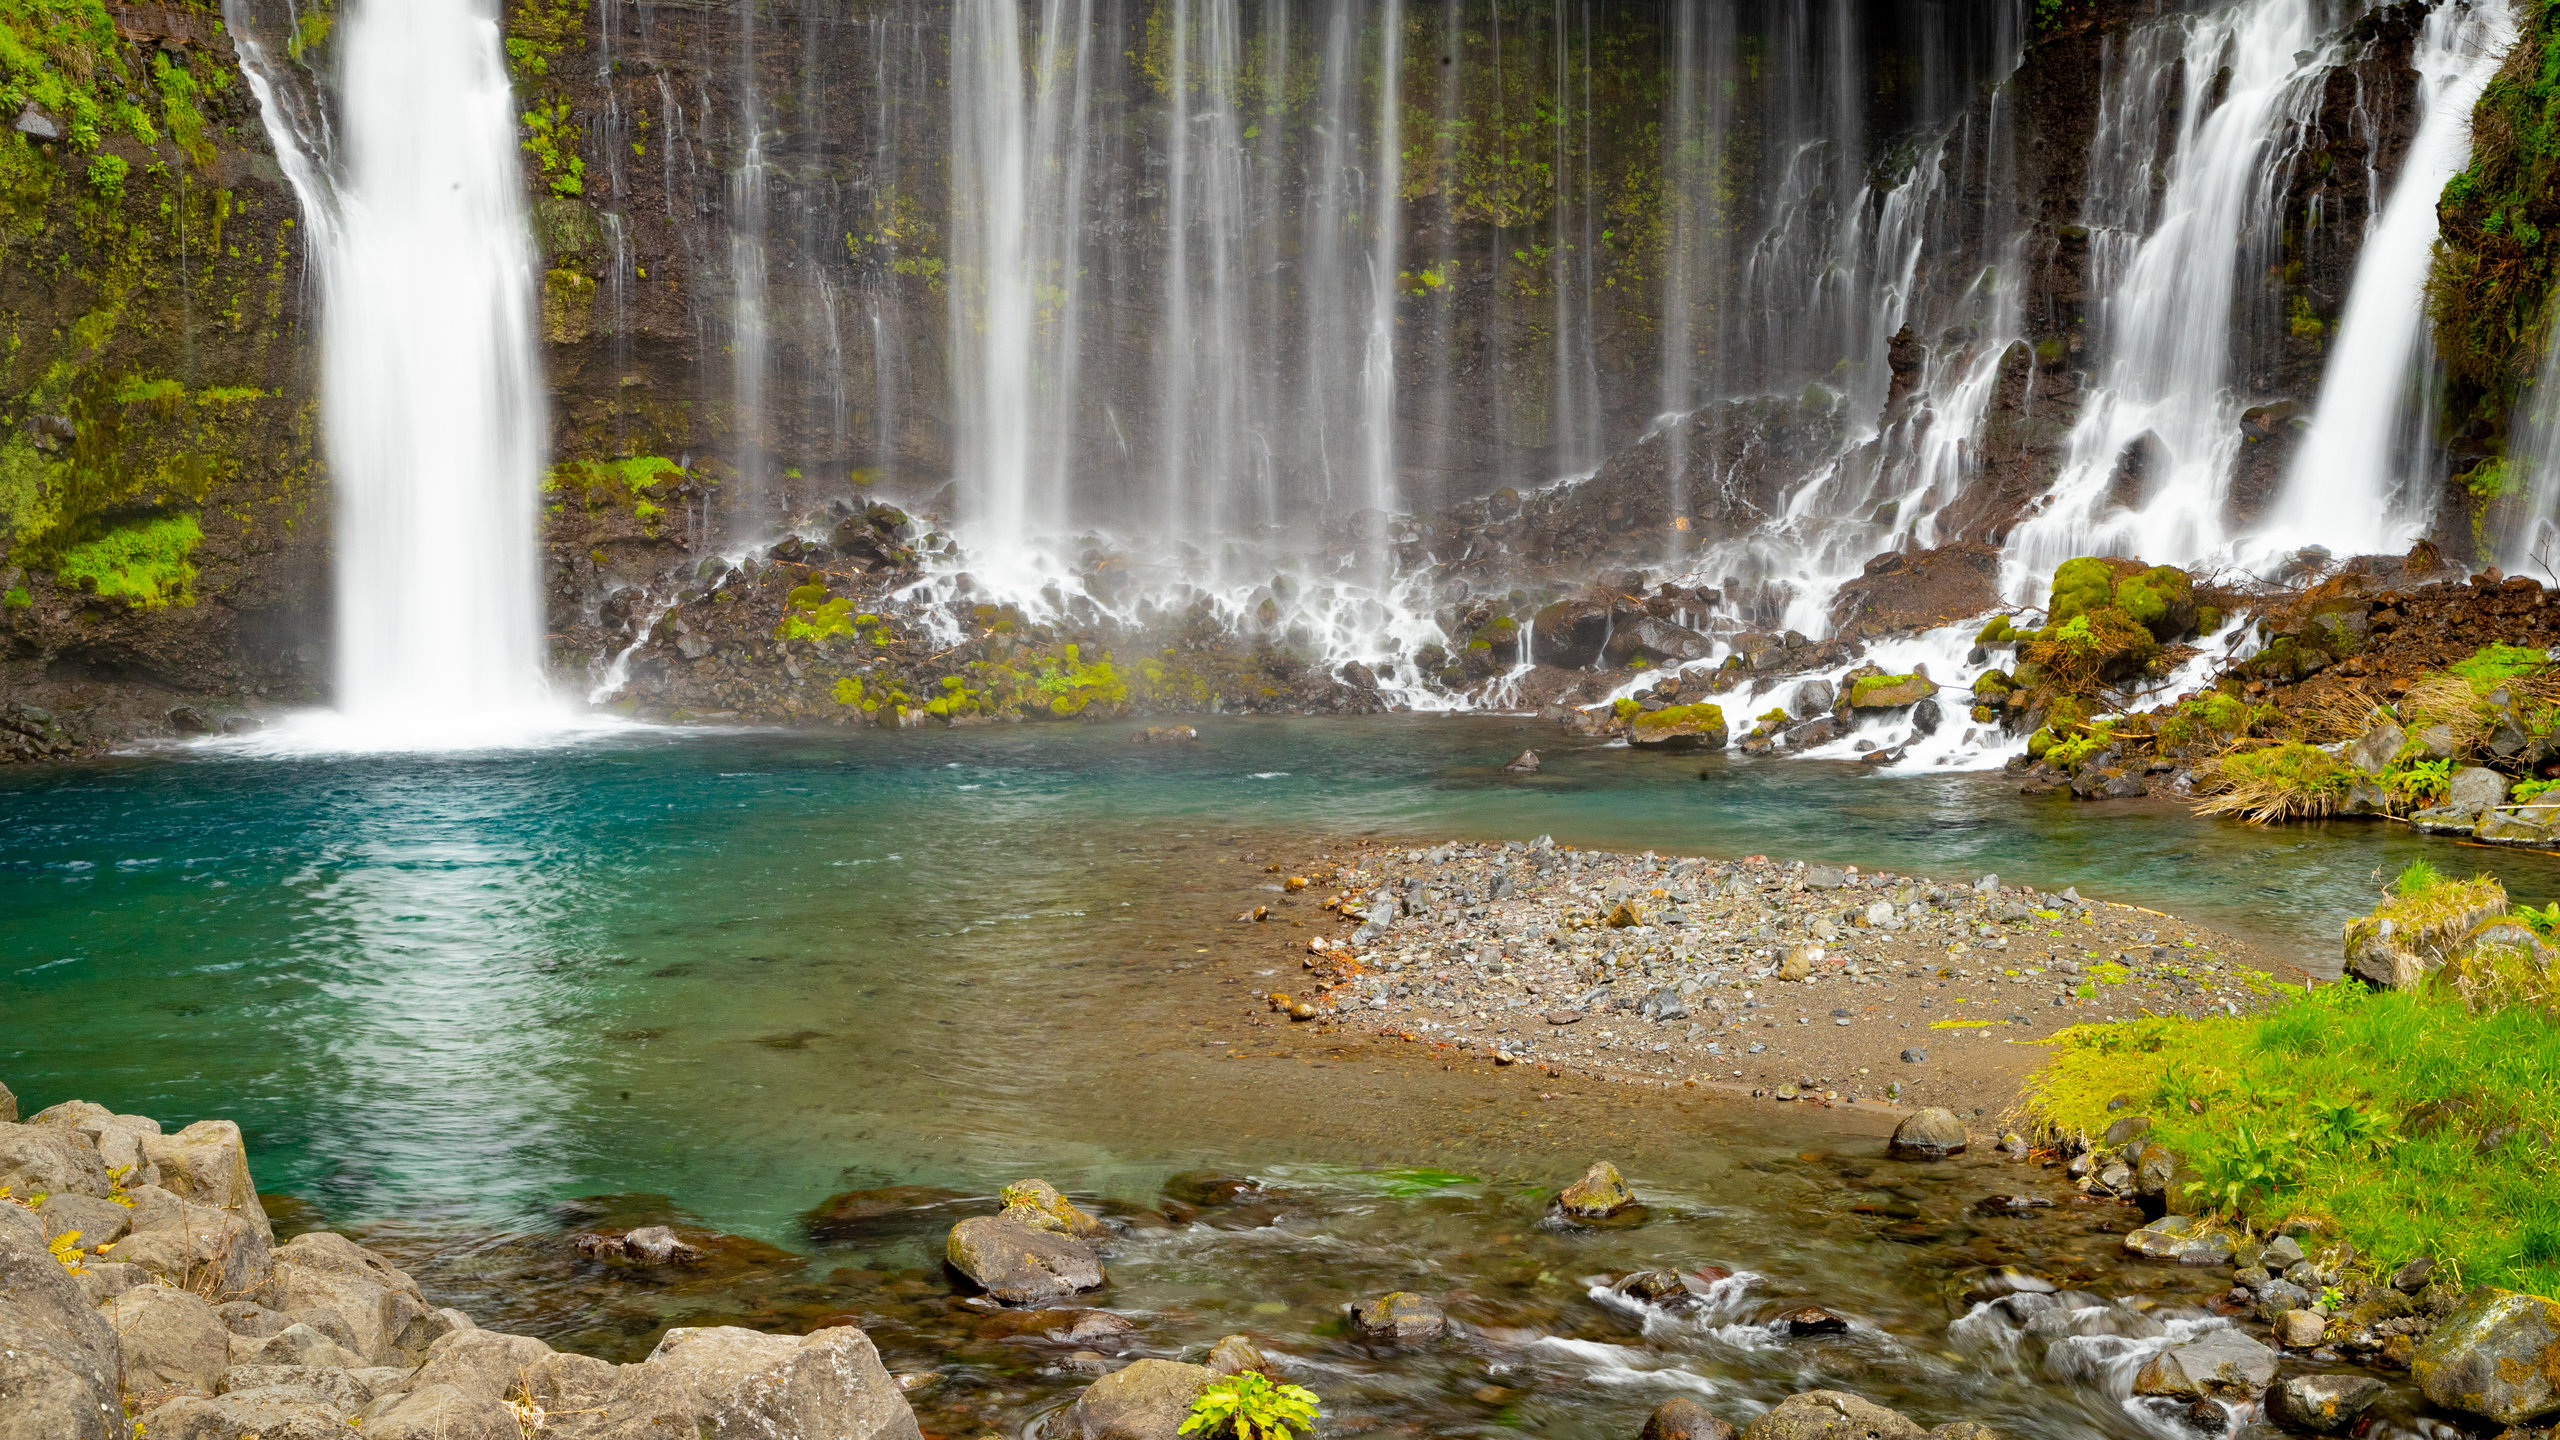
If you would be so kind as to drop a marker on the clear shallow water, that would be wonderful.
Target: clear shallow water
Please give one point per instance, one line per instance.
(725, 976)
(735, 968)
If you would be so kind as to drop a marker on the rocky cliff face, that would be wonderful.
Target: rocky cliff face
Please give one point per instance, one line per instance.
(755, 282)
(163, 522)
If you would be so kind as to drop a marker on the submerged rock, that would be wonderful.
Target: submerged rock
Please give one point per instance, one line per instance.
(1021, 1264)
(1599, 1194)
(2497, 1357)
(1235, 1354)
(1932, 1134)
(1681, 1418)
(865, 1214)
(1400, 1316)
(1524, 763)
(1838, 1415)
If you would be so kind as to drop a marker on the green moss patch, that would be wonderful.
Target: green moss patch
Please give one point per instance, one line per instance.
(144, 563)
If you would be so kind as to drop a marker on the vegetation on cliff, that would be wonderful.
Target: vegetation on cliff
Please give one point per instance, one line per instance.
(2490, 290)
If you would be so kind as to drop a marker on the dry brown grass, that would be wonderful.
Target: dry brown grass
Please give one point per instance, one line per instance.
(2342, 711)
(2271, 784)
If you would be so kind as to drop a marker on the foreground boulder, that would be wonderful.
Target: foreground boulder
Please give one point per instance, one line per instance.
(1021, 1264)
(1146, 1401)
(2408, 937)
(58, 1357)
(826, 1385)
(2498, 1357)
(1932, 1134)
(1599, 1194)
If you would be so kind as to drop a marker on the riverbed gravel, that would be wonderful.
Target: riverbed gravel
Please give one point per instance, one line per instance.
(1789, 979)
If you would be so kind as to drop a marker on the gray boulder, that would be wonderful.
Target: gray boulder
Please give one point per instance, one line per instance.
(383, 1312)
(1146, 1401)
(51, 1159)
(2476, 789)
(2497, 1357)
(2180, 1240)
(483, 1363)
(439, 1412)
(214, 1253)
(2372, 751)
(299, 1344)
(274, 1412)
(1235, 1354)
(2219, 1365)
(1931, 1134)
(118, 1139)
(171, 1340)
(2322, 1404)
(99, 1222)
(747, 1385)
(1020, 1264)
(58, 1357)
(208, 1164)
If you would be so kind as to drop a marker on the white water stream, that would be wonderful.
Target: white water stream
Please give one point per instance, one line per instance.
(432, 397)
(2366, 477)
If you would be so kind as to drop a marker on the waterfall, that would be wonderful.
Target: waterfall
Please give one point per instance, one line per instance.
(2365, 478)
(431, 393)
(751, 343)
(2149, 462)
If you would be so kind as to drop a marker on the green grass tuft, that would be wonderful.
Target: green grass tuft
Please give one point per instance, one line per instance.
(2402, 1118)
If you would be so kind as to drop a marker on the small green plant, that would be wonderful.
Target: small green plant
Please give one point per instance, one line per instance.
(2331, 1299)
(2532, 790)
(1251, 1406)
(2416, 878)
(2420, 782)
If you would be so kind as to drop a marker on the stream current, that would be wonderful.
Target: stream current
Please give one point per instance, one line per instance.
(463, 1004)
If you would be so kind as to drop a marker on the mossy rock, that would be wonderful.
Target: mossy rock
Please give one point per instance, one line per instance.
(2162, 599)
(1992, 682)
(2092, 646)
(1678, 727)
(1889, 692)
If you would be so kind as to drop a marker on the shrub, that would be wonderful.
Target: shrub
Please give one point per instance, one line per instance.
(1251, 1406)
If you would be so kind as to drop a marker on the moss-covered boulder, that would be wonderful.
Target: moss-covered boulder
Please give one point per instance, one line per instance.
(1678, 727)
(2091, 647)
(2159, 598)
(2408, 936)
(1889, 692)
(2498, 1357)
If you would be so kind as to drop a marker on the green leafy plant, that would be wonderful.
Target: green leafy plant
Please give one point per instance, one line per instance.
(1251, 1406)
(2249, 1165)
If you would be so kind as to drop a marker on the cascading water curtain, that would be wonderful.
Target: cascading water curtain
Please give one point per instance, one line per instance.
(432, 393)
